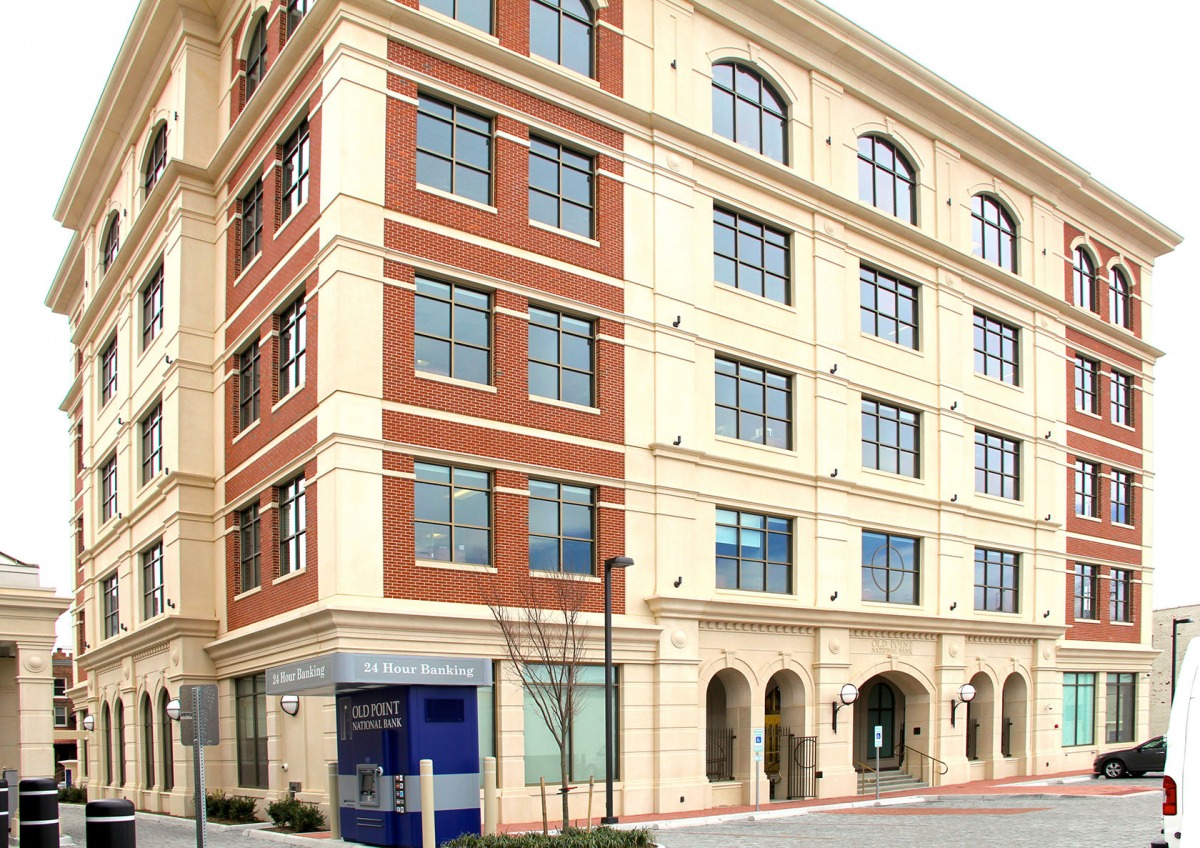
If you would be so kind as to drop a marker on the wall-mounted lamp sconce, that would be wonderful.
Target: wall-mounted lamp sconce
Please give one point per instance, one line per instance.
(678, 441)
(834, 474)
(168, 359)
(177, 116)
(678, 581)
(1048, 432)
(89, 723)
(119, 516)
(120, 420)
(966, 694)
(829, 139)
(290, 704)
(1043, 251)
(949, 201)
(954, 406)
(174, 711)
(847, 696)
(170, 603)
(833, 370)
(833, 597)
(166, 472)
(1047, 516)
(86, 646)
(953, 606)
(953, 498)
(674, 65)
(124, 629)
(678, 320)
(1046, 614)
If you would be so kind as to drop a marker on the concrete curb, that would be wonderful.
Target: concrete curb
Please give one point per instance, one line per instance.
(766, 815)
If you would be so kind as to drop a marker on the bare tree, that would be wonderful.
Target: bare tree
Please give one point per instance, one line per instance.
(546, 644)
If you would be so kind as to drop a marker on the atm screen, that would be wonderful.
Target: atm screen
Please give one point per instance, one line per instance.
(366, 785)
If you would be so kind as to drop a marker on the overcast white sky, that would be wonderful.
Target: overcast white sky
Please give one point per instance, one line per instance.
(1114, 87)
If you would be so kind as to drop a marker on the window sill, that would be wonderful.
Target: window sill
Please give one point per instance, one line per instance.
(295, 390)
(1086, 621)
(449, 21)
(246, 430)
(893, 605)
(1123, 426)
(999, 499)
(731, 440)
(999, 382)
(458, 198)
(456, 566)
(1083, 517)
(564, 575)
(559, 231)
(1122, 623)
(246, 270)
(564, 404)
(891, 475)
(295, 213)
(551, 65)
(752, 593)
(455, 381)
(756, 298)
(900, 347)
(1122, 525)
(1089, 413)
(291, 575)
(248, 593)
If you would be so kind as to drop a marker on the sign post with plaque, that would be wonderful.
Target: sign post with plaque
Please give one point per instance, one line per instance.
(878, 746)
(199, 725)
(757, 738)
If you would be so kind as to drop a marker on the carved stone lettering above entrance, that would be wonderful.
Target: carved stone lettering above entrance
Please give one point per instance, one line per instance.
(903, 647)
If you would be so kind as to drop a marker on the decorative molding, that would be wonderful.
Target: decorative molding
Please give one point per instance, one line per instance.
(907, 635)
(1000, 640)
(151, 650)
(756, 627)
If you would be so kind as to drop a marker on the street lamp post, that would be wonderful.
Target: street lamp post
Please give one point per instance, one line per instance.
(609, 565)
(1175, 622)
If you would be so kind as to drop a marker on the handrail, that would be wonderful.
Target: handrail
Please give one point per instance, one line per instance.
(941, 769)
(862, 777)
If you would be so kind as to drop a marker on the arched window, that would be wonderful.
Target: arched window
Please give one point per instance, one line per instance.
(993, 233)
(156, 161)
(256, 57)
(112, 242)
(561, 31)
(1118, 299)
(106, 751)
(747, 109)
(168, 742)
(148, 742)
(886, 179)
(119, 748)
(1084, 280)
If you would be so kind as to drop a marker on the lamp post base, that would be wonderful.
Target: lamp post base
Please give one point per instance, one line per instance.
(608, 820)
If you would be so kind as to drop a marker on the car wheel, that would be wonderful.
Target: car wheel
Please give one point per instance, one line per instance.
(1114, 769)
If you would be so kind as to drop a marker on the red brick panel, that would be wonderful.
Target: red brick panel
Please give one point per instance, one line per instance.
(1103, 254)
(1104, 529)
(1129, 460)
(265, 468)
(1104, 630)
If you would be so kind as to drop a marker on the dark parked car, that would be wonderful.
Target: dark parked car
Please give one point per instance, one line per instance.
(1133, 762)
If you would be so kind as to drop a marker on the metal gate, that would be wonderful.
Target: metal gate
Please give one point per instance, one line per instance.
(719, 754)
(802, 767)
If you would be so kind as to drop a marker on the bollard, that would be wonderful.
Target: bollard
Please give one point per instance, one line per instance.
(4, 808)
(39, 812)
(491, 806)
(335, 803)
(427, 822)
(110, 824)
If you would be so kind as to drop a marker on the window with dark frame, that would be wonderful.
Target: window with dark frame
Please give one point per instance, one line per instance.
(108, 488)
(251, 223)
(60, 687)
(293, 521)
(1121, 398)
(1120, 595)
(152, 308)
(753, 404)
(1086, 488)
(1087, 592)
(993, 232)
(997, 580)
(152, 443)
(296, 10)
(562, 532)
(1079, 708)
(249, 386)
(454, 149)
(891, 438)
(997, 465)
(754, 552)
(1083, 275)
(292, 346)
(112, 243)
(1121, 497)
(748, 110)
(249, 549)
(156, 161)
(1118, 299)
(453, 330)
(152, 581)
(474, 13)
(111, 604)
(997, 349)
(888, 307)
(1121, 706)
(751, 256)
(256, 57)
(561, 357)
(295, 171)
(561, 186)
(891, 568)
(886, 179)
(250, 704)
(108, 371)
(452, 510)
(562, 31)
(1087, 384)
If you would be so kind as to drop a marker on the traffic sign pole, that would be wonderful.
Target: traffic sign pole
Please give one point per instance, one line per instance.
(756, 746)
(198, 767)
(878, 746)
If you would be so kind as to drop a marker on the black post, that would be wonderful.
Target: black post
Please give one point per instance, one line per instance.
(110, 824)
(39, 812)
(1175, 622)
(4, 807)
(609, 818)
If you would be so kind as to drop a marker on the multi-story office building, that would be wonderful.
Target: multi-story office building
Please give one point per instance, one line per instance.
(385, 310)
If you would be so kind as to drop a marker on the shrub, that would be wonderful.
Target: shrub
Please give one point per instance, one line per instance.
(238, 809)
(299, 816)
(601, 837)
(282, 812)
(72, 795)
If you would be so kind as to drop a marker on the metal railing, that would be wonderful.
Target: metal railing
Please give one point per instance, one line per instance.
(1006, 738)
(719, 754)
(862, 769)
(934, 764)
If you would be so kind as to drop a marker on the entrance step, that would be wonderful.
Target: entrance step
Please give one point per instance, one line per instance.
(890, 781)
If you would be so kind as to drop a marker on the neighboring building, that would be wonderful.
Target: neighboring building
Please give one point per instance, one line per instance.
(381, 314)
(27, 616)
(66, 735)
(1160, 681)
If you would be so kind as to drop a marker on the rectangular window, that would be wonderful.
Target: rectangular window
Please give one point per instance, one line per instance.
(585, 732)
(152, 581)
(1121, 398)
(110, 605)
(249, 386)
(888, 307)
(891, 568)
(108, 371)
(454, 149)
(295, 171)
(1121, 700)
(152, 443)
(152, 308)
(997, 465)
(292, 344)
(1120, 595)
(60, 687)
(751, 256)
(1087, 476)
(60, 716)
(997, 580)
(1079, 708)
(293, 553)
(453, 327)
(891, 438)
(250, 702)
(1087, 590)
(108, 488)
(561, 357)
(753, 404)
(475, 13)
(997, 349)
(561, 527)
(296, 10)
(1087, 379)
(561, 191)
(754, 552)
(252, 223)
(1121, 498)
(453, 514)
(249, 549)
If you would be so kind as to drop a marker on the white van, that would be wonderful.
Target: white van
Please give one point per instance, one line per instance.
(1181, 779)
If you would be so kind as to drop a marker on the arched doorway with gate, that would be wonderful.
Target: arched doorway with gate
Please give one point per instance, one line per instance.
(1014, 724)
(727, 723)
(789, 760)
(981, 725)
(899, 704)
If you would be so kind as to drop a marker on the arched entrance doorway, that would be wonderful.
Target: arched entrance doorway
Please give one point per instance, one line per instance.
(1014, 721)
(727, 718)
(981, 731)
(789, 753)
(899, 705)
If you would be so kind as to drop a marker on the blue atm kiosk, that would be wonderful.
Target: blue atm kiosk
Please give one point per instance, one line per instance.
(426, 709)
